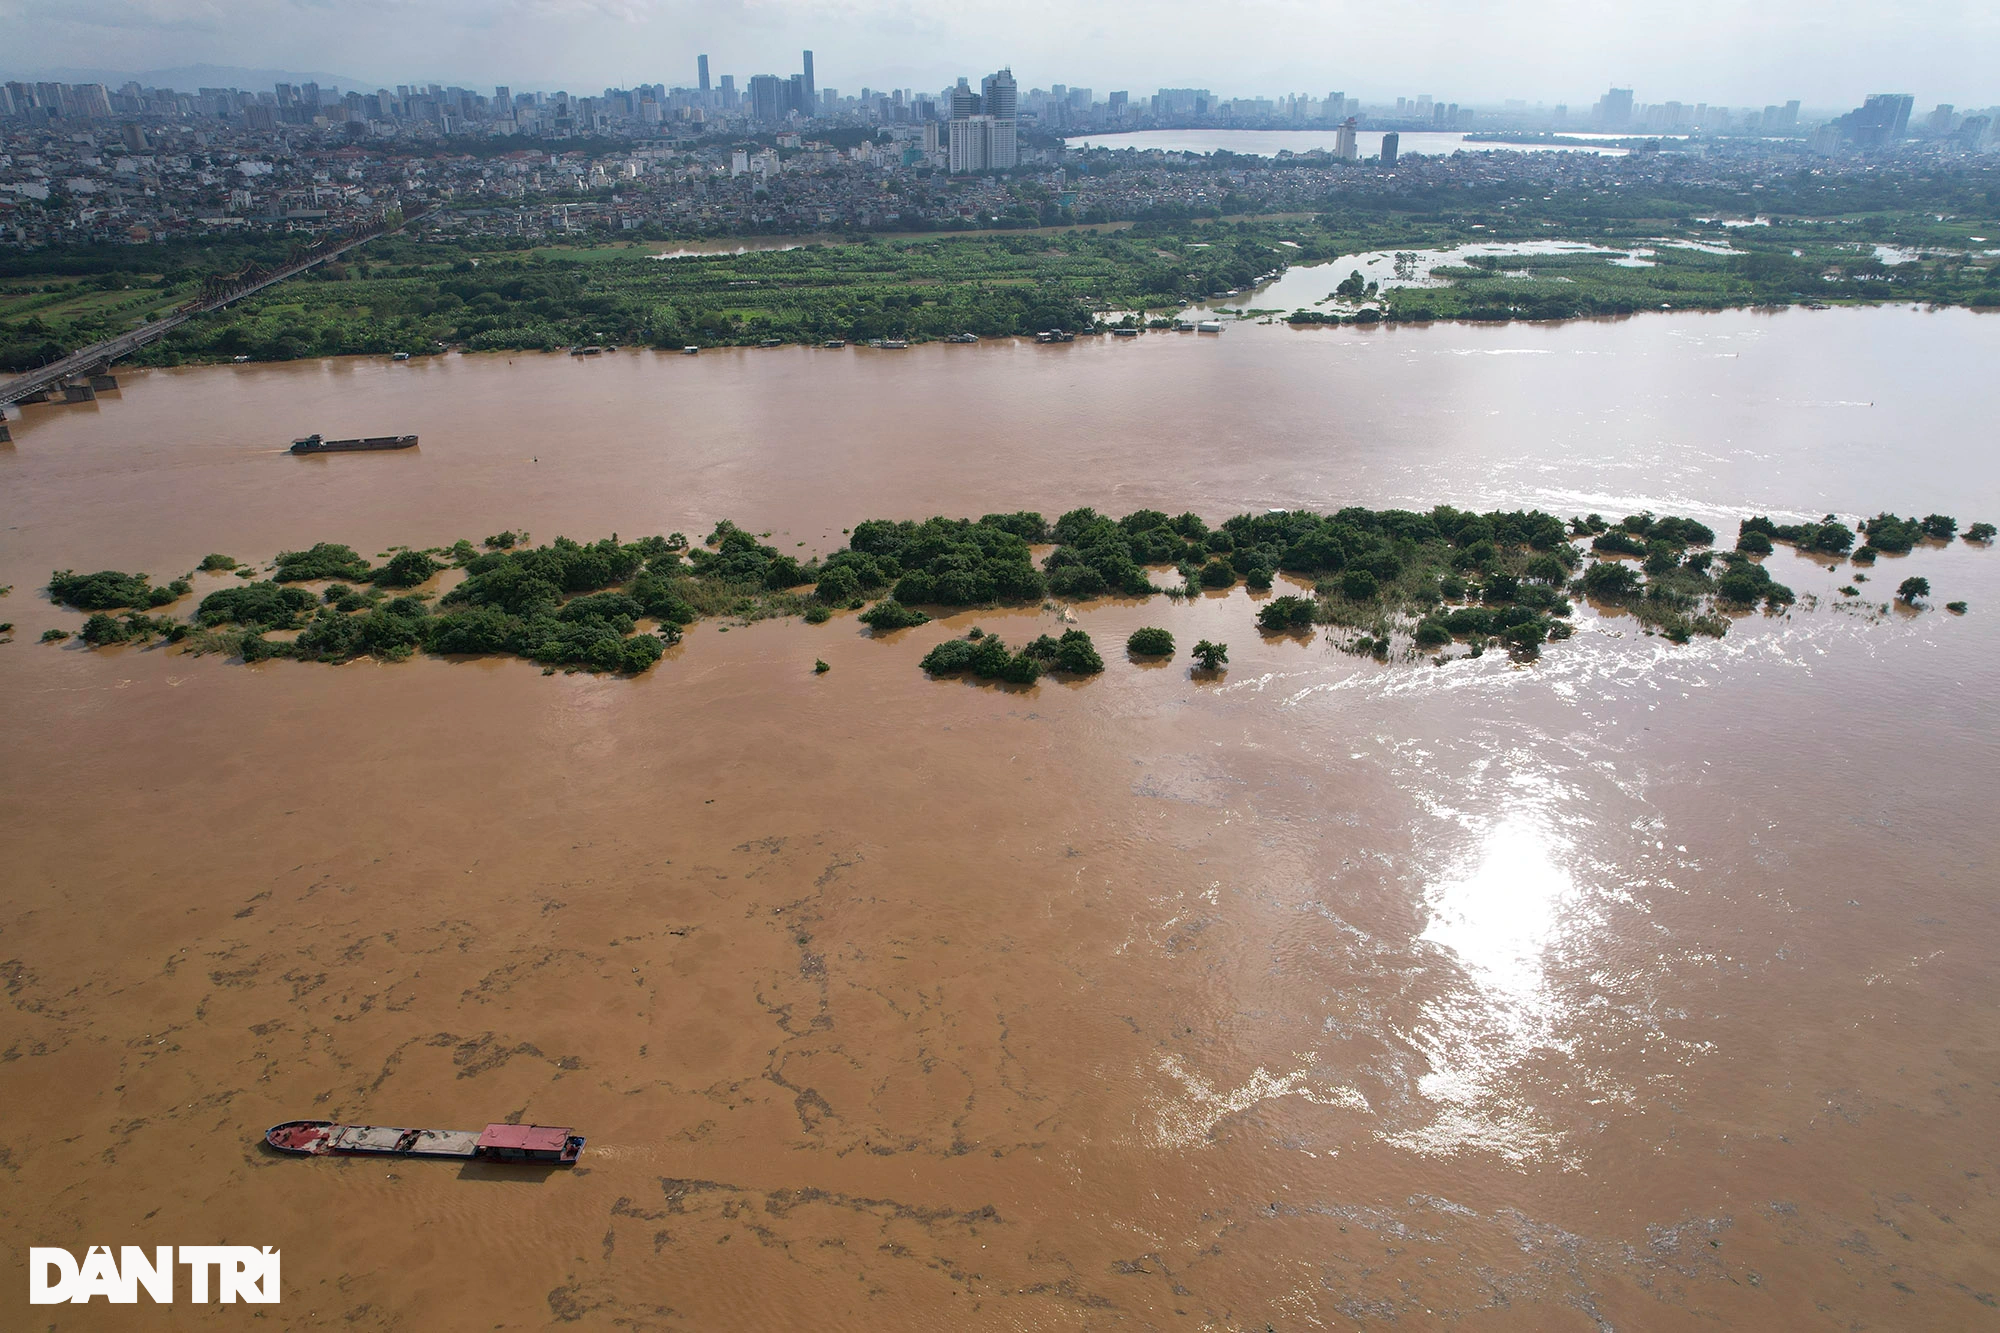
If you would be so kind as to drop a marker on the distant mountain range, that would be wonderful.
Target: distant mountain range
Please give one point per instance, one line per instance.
(187, 78)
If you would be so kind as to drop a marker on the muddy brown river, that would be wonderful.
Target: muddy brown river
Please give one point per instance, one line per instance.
(1645, 987)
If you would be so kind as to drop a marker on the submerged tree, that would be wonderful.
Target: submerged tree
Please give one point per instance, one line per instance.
(1286, 615)
(1075, 653)
(1212, 656)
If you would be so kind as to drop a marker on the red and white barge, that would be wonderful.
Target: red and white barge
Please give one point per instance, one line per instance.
(496, 1143)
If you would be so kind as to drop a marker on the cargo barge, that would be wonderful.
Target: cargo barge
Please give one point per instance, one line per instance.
(314, 444)
(495, 1143)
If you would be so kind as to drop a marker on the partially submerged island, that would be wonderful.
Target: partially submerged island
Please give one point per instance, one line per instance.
(1384, 583)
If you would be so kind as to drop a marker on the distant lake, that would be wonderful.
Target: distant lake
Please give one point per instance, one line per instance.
(1269, 143)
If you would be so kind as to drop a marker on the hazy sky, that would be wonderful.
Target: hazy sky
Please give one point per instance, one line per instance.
(1731, 52)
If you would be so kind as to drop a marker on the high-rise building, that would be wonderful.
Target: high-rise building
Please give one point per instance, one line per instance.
(1614, 109)
(767, 97)
(1005, 153)
(1181, 102)
(971, 144)
(93, 99)
(1882, 119)
(1119, 104)
(1343, 142)
(998, 95)
(701, 70)
(728, 92)
(964, 102)
(811, 98)
(1896, 110)
(983, 130)
(1391, 142)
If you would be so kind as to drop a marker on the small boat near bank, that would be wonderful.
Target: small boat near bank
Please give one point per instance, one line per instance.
(497, 1142)
(317, 444)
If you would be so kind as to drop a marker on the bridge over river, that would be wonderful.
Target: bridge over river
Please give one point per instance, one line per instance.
(78, 377)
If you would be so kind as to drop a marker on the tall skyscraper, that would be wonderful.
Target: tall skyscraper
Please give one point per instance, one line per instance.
(1882, 119)
(767, 98)
(701, 65)
(1614, 109)
(971, 144)
(998, 95)
(964, 102)
(728, 92)
(1895, 111)
(1391, 142)
(1343, 143)
(812, 93)
(983, 128)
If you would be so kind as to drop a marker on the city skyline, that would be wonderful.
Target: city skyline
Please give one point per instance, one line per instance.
(1710, 52)
(775, 98)
(983, 125)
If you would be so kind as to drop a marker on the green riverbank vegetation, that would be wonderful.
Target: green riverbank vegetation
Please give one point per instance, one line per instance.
(1818, 241)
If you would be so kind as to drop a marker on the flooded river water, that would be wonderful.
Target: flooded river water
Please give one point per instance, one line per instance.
(1643, 987)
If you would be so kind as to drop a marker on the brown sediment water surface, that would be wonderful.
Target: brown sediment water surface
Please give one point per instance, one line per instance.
(1641, 987)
